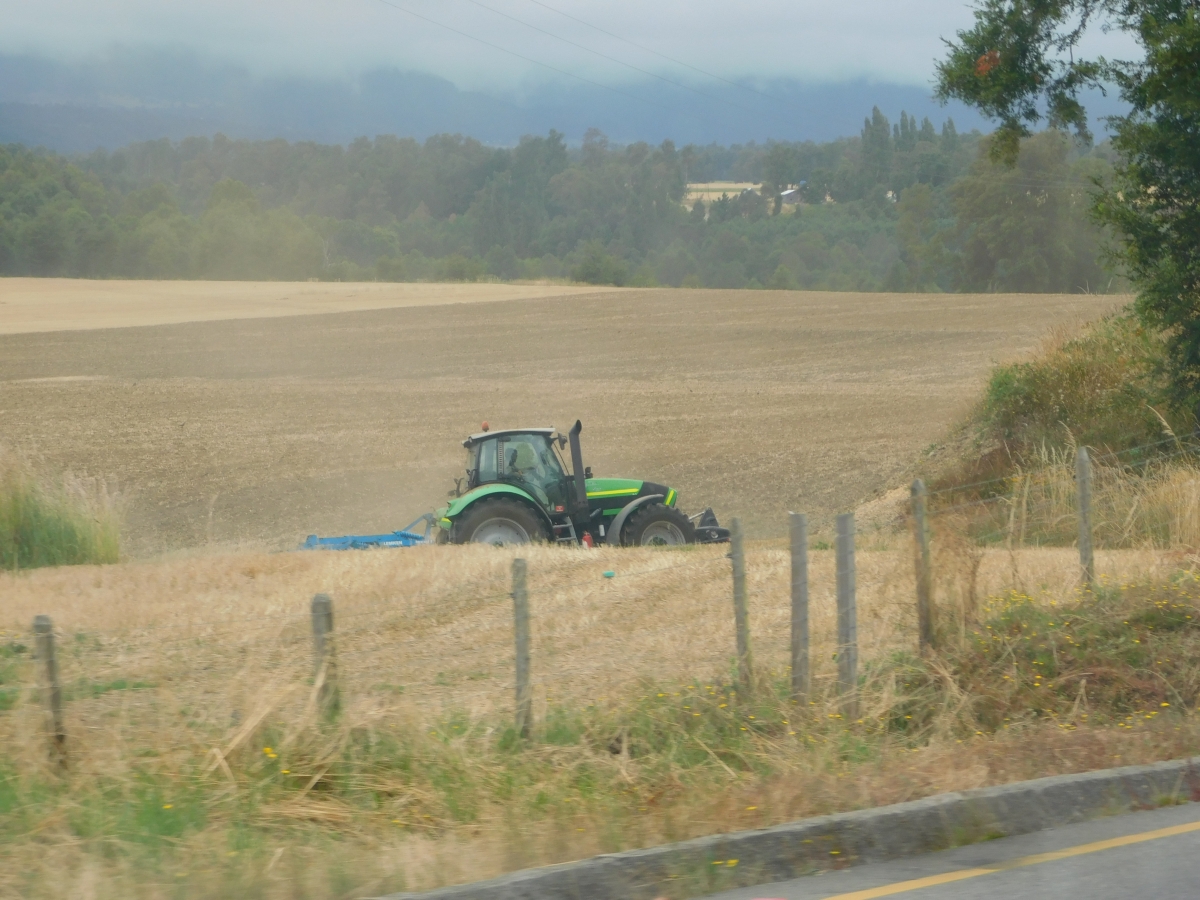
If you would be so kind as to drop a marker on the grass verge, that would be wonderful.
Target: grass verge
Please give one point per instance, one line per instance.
(288, 806)
(68, 523)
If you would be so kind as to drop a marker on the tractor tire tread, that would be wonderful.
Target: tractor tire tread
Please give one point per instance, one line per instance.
(464, 528)
(656, 512)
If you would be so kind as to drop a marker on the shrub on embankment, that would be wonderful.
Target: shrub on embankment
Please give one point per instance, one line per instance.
(1009, 472)
(44, 524)
(1100, 388)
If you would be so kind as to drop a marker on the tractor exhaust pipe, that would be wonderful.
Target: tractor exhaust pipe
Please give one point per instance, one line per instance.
(577, 467)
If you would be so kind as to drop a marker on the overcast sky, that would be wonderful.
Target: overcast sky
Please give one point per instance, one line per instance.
(814, 40)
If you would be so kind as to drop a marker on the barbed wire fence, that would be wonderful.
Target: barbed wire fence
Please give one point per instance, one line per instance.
(320, 655)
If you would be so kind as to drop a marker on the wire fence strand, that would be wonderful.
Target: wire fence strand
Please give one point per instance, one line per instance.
(445, 645)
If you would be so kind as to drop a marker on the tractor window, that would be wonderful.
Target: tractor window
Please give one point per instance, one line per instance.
(530, 461)
(485, 462)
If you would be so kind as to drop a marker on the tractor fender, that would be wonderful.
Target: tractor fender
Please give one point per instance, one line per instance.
(618, 524)
(469, 499)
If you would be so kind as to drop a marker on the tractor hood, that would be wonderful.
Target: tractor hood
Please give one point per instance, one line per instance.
(616, 492)
(615, 488)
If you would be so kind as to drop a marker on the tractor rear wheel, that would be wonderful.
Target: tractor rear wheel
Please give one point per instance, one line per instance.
(658, 525)
(499, 522)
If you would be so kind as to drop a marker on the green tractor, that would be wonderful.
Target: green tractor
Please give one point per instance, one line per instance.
(517, 490)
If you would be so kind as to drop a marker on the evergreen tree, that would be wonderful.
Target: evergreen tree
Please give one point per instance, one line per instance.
(876, 147)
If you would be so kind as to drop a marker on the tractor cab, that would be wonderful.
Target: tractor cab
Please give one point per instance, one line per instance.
(527, 457)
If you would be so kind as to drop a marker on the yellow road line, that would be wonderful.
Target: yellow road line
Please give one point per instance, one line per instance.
(916, 884)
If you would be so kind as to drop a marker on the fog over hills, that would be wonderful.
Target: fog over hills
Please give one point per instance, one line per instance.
(134, 95)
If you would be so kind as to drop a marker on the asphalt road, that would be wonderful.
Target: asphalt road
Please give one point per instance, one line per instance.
(1146, 855)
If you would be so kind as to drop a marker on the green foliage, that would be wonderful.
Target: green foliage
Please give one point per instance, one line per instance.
(450, 208)
(598, 267)
(1155, 202)
(51, 526)
(1123, 657)
(389, 268)
(151, 810)
(1096, 389)
(1102, 388)
(1026, 226)
(457, 267)
(1013, 60)
(782, 279)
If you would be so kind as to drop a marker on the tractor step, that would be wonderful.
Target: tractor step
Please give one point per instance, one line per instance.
(565, 534)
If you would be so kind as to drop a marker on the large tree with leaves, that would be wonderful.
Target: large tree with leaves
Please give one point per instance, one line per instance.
(1019, 65)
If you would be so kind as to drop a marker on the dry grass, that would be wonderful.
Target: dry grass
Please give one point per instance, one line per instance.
(1152, 504)
(417, 783)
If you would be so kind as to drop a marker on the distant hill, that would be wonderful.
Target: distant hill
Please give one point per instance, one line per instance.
(148, 94)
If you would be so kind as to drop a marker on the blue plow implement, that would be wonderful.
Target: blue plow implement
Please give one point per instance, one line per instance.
(405, 537)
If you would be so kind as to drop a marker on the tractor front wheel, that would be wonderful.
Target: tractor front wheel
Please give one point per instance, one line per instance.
(499, 522)
(658, 525)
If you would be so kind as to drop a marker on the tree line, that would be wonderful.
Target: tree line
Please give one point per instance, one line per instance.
(901, 206)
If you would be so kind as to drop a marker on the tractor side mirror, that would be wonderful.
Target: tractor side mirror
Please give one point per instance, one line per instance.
(587, 471)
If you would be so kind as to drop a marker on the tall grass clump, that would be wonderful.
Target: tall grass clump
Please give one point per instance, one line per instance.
(52, 525)
(1152, 504)
(1100, 387)
(1010, 476)
(1122, 656)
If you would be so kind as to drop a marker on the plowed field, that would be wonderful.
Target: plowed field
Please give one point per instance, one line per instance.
(261, 430)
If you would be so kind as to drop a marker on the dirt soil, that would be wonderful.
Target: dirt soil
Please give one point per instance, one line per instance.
(258, 431)
(68, 304)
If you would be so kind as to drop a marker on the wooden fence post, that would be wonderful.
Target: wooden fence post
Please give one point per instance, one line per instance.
(324, 655)
(43, 630)
(847, 650)
(520, 595)
(924, 566)
(798, 523)
(741, 615)
(1083, 493)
